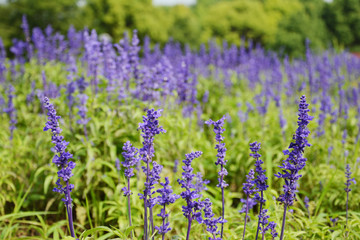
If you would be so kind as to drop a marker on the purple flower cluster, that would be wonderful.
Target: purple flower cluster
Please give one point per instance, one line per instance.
(218, 130)
(200, 184)
(261, 178)
(265, 225)
(295, 161)
(82, 99)
(349, 180)
(61, 159)
(348, 183)
(149, 129)
(131, 159)
(249, 189)
(10, 110)
(192, 209)
(166, 197)
(211, 222)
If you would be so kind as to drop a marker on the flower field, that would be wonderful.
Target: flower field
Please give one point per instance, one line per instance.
(133, 140)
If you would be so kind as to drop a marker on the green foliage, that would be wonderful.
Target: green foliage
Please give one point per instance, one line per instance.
(28, 206)
(277, 24)
(342, 18)
(59, 14)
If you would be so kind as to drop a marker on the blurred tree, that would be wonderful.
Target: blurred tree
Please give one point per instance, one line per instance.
(342, 18)
(297, 26)
(59, 14)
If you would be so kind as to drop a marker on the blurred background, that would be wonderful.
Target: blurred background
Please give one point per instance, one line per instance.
(281, 25)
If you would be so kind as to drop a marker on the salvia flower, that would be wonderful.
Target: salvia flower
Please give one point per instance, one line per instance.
(192, 209)
(249, 189)
(349, 181)
(82, 100)
(166, 197)
(260, 180)
(176, 164)
(10, 110)
(200, 184)
(61, 160)
(306, 202)
(247, 204)
(149, 129)
(221, 153)
(295, 160)
(130, 155)
(211, 222)
(265, 225)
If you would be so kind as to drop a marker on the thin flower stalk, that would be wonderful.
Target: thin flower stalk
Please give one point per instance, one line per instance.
(220, 146)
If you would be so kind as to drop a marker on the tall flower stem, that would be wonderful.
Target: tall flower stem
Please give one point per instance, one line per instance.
(223, 206)
(69, 211)
(258, 227)
(189, 228)
(145, 202)
(283, 223)
(151, 221)
(347, 207)
(246, 215)
(218, 130)
(163, 235)
(129, 207)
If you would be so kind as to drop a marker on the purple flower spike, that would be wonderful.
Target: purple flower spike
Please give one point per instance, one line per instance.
(166, 197)
(192, 208)
(149, 128)
(61, 160)
(209, 220)
(295, 160)
(11, 110)
(130, 155)
(265, 225)
(249, 189)
(261, 178)
(218, 130)
(306, 202)
(349, 181)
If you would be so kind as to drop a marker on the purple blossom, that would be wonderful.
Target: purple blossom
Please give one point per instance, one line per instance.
(176, 164)
(61, 160)
(82, 99)
(295, 161)
(11, 110)
(130, 155)
(192, 209)
(149, 129)
(249, 186)
(249, 189)
(166, 197)
(247, 204)
(210, 222)
(261, 178)
(200, 184)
